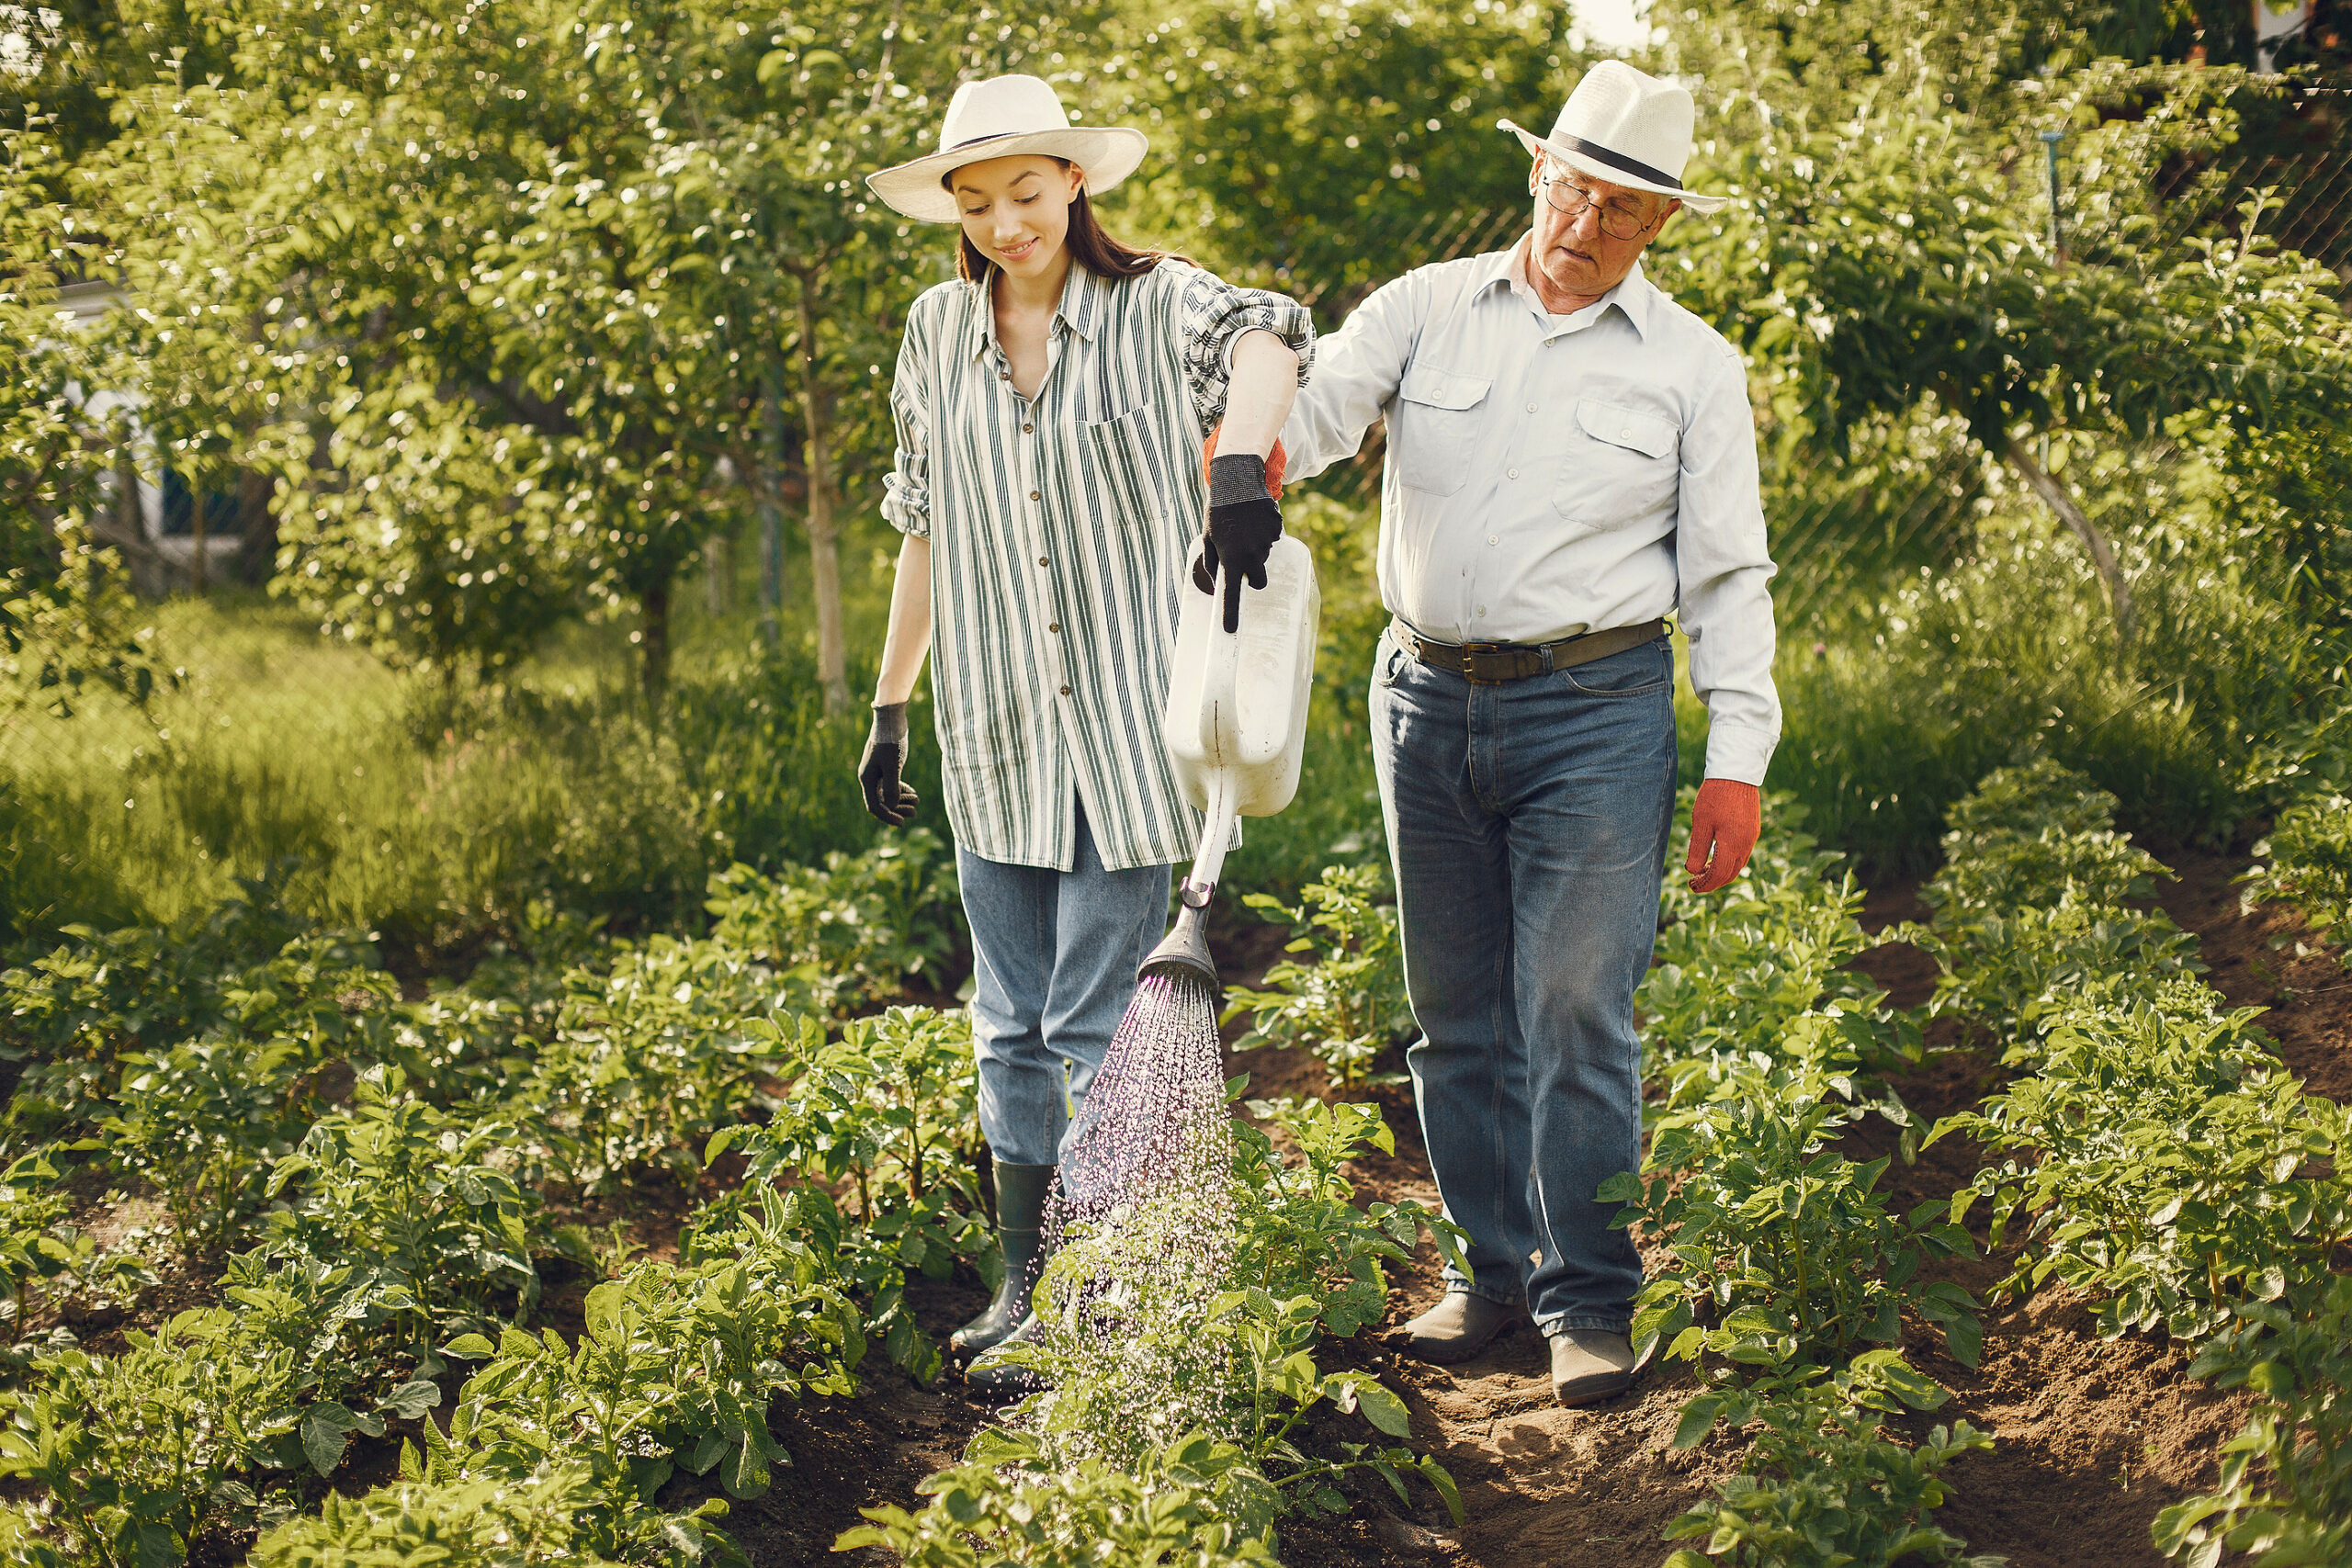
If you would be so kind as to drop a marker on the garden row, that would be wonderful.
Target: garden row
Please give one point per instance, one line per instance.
(363, 1193)
(2155, 1155)
(2152, 1155)
(366, 1192)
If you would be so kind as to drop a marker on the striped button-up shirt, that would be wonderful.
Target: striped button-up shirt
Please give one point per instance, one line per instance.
(1551, 475)
(1060, 529)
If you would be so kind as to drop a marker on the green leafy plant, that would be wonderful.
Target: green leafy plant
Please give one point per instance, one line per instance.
(486, 1523)
(2286, 1489)
(1349, 1005)
(1782, 1250)
(1196, 1505)
(200, 1121)
(675, 1373)
(138, 1452)
(649, 1054)
(850, 935)
(1299, 1230)
(1821, 1486)
(879, 1132)
(2168, 1167)
(401, 1226)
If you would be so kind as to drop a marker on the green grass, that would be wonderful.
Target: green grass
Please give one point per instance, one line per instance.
(438, 816)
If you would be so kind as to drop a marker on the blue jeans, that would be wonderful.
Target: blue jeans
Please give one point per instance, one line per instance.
(1054, 960)
(1528, 822)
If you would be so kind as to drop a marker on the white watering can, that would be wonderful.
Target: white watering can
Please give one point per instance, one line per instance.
(1236, 724)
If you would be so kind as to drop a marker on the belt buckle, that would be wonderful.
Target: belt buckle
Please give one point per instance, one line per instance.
(1473, 651)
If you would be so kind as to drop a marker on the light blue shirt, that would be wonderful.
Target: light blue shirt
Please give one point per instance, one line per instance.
(1547, 475)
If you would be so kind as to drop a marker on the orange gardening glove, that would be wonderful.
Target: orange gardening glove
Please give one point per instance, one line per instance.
(1275, 459)
(1724, 824)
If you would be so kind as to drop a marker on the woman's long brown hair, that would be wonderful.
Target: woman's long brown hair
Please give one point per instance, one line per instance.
(1090, 245)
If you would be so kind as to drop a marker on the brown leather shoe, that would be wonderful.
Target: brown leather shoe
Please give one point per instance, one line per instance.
(1589, 1365)
(1458, 1328)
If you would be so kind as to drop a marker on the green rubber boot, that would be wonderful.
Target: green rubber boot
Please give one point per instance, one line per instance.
(1020, 1231)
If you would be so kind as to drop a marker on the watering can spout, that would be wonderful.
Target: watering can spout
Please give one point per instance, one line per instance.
(1184, 951)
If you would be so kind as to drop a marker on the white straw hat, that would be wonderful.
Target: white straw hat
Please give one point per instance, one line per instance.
(1002, 117)
(1627, 128)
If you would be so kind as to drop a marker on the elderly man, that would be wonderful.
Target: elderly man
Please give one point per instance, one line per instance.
(1571, 457)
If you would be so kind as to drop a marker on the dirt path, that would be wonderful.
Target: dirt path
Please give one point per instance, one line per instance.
(2093, 1436)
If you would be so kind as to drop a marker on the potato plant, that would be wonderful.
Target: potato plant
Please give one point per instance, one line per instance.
(486, 1523)
(1823, 1487)
(2286, 1485)
(848, 936)
(1349, 1005)
(1784, 1250)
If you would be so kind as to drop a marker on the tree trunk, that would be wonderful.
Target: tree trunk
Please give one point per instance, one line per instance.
(256, 529)
(654, 627)
(770, 496)
(718, 569)
(2055, 494)
(196, 533)
(824, 529)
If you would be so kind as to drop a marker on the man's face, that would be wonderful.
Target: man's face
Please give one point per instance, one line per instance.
(1575, 251)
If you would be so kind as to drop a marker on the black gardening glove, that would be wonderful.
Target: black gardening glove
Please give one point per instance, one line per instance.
(1244, 523)
(887, 797)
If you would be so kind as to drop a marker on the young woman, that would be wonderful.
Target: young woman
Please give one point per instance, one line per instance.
(1052, 406)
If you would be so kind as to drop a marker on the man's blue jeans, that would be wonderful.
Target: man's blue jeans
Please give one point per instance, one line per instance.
(1053, 961)
(1528, 821)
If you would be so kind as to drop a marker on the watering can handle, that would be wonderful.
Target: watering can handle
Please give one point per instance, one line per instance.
(1220, 738)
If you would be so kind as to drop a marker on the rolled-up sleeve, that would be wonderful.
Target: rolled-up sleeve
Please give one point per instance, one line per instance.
(1362, 364)
(1723, 565)
(1212, 315)
(906, 488)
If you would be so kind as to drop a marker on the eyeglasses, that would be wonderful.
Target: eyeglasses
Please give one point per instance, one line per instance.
(1622, 217)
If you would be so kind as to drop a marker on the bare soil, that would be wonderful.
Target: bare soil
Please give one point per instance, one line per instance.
(2093, 1436)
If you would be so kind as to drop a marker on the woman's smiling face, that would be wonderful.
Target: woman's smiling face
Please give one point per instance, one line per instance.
(1016, 210)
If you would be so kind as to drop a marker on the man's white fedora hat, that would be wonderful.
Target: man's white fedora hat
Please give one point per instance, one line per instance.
(1002, 118)
(1627, 128)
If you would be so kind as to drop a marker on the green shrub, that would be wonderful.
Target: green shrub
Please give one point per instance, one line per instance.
(649, 1054)
(675, 1373)
(1349, 1005)
(2168, 1167)
(1782, 1250)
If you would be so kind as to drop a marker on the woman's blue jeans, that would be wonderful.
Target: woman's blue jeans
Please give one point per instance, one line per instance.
(1528, 824)
(1053, 961)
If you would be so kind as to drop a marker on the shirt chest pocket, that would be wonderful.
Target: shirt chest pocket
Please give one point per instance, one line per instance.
(1622, 465)
(1122, 473)
(1436, 427)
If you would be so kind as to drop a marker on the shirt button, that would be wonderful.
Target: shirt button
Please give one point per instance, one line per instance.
(1065, 691)
(1531, 408)
(1494, 538)
(1624, 435)
(1041, 560)
(1514, 473)
(1034, 496)
(1482, 610)
(1026, 429)
(1053, 626)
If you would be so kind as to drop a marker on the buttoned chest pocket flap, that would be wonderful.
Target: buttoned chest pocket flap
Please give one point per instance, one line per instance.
(1436, 427)
(1621, 467)
(1125, 478)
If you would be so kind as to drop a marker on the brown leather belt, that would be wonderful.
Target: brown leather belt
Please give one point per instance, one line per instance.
(1492, 663)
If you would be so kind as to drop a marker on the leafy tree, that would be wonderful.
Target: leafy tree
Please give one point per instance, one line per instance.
(1894, 255)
